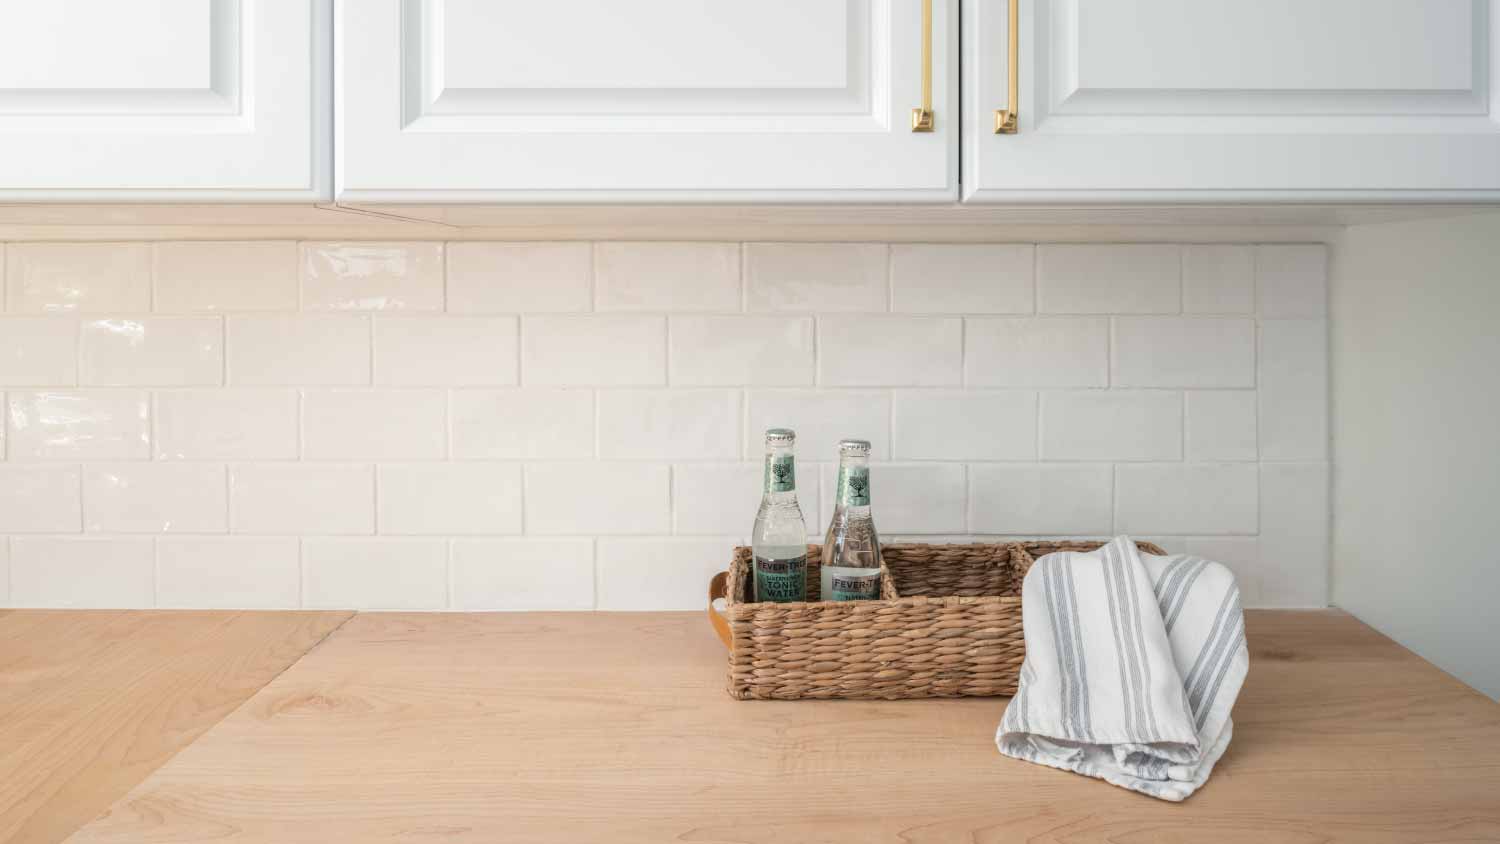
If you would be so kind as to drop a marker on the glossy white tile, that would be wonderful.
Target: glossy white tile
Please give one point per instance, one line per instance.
(821, 418)
(898, 351)
(241, 423)
(519, 277)
(1102, 425)
(38, 351)
(677, 424)
(963, 278)
(523, 574)
(1190, 498)
(659, 574)
(78, 425)
(298, 498)
(581, 498)
(371, 276)
(1183, 352)
(375, 574)
(1044, 352)
(79, 572)
(1109, 278)
(534, 423)
(727, 351)
(310, 349)
(822, 277)
(77, 277)
(40, 499)
(374, 424)
(446, 351)
(155, 498)
(453, 499)
(151, 351)
(964, 425)
(228, 572)
(1030, 499)
(665, 276)
(1218, 279)
(604, 350)
(225, 276)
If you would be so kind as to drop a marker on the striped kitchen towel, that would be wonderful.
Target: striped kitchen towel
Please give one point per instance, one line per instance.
(1132, 664)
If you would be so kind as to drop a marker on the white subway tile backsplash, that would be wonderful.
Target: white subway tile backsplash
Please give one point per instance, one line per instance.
(656, 276)
(573, 499)
(821, 418)
(1137, 278)
(374, 424)
(5, 562)
(38, 351)
(1183, 352)
(78, 425)
(824, 277)
(679, 424)
(80, 572)
(1192, 498)
(234, 424)
(225, 276)
(447, 351)
(228, 572)
(523, 574)
(1039, 499)
(909, 498)
(312, 350)
(372, 276)
(1292, 280)
(155, 498)
(707, 351)
(298, 498)
(1218, 279)
(1221, 425)
(513, 278)
(524, 424)
(77, 277)
(151, 351)
(1097, 425)
(441, 499)
(1293, 390)
(958, 278)
(658, 574)
(964, 425)
(1294, 534)
(523, 421)
(1036, 352)
(603, 350)
(375, 574)
(39, 499)
(867, 351)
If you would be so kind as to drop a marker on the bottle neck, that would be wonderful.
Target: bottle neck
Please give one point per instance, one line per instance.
(780, 475)
(852, 492)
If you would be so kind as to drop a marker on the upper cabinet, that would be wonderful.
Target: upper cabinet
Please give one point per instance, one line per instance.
(1215, 100)
(647, 100)
(164, 99)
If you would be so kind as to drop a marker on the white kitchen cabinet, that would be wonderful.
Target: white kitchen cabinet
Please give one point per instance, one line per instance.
(649, 100)
(1225, 100)
(164, 99)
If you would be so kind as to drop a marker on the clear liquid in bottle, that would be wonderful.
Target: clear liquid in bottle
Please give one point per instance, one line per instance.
(851, 549)
(779, 539)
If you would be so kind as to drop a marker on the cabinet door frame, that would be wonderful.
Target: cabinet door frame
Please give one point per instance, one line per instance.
(239, 140)
(375, 127)
(1104, 147)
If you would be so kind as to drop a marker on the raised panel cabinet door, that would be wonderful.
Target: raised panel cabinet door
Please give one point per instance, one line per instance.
(180, 100)
(647, 100)
(1215, 100)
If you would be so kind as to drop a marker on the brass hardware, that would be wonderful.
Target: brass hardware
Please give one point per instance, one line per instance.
(1006, 118)
(921, 118)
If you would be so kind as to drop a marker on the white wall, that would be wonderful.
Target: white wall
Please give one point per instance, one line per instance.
(1416, 398)
(575, 425)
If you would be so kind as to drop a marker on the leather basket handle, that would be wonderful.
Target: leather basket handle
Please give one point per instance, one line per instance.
(719, 588)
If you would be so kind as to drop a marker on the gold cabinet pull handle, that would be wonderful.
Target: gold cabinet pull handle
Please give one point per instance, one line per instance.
(1006, 118)
(921, 118)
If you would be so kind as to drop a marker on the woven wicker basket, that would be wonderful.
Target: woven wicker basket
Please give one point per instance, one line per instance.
(948, 625)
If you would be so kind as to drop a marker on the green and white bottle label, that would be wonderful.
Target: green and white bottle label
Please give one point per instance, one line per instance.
(781, 581)
(854, 486)
(781, 473)
(850, 584)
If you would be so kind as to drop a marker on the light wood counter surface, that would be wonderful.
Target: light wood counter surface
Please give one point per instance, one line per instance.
(616, 727)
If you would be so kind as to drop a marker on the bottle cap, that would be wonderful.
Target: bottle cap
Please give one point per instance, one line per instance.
(780, 436)
(859, 448)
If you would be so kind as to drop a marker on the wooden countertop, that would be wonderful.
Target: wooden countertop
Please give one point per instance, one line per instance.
(616, 727)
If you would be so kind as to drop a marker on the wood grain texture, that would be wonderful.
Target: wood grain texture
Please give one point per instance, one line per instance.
(616, 727)
(92, 702)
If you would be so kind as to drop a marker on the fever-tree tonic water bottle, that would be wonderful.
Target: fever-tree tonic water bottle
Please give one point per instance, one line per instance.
(851, 551)
(780, 536)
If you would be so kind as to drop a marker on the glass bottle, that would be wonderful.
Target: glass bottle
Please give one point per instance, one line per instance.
(851, 550)
(779, 540)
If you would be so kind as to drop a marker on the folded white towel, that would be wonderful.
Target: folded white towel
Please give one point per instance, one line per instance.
(1132, 665)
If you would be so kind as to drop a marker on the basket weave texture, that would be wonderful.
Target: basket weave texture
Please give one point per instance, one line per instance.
(948, 625)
